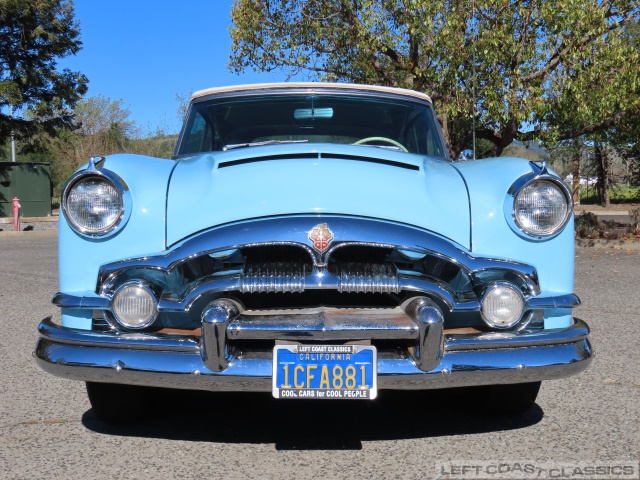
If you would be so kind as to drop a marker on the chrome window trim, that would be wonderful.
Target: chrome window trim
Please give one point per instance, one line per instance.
(108, 176)
(540, 174)
(307, 90)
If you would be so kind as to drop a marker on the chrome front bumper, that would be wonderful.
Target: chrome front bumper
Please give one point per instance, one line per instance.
(439, 360)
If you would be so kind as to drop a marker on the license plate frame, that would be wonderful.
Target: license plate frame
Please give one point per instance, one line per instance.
(321, 360)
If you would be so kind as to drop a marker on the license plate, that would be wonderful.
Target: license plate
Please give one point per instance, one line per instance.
(325, 371)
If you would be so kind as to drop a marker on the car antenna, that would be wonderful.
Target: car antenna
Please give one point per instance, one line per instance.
(473, 76)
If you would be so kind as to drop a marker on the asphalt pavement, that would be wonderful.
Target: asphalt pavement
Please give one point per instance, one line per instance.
(48, 430)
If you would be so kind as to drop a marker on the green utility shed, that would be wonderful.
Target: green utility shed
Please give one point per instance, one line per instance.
(31, 183)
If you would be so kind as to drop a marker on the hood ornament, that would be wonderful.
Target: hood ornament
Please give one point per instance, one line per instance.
(321, 237)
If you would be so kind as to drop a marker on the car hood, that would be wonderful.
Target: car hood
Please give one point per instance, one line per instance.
(215, 188)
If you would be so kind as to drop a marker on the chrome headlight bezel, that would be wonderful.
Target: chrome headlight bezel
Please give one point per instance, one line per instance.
(512, 196)
(106, 176)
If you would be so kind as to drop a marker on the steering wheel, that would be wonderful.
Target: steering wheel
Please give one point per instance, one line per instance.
(363, 141)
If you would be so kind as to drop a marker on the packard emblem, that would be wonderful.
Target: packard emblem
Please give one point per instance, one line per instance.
(321, 237)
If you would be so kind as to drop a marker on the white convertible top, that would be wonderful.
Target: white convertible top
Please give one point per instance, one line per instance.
(311, 87)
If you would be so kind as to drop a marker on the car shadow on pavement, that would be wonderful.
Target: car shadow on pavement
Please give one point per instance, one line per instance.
(312, 424)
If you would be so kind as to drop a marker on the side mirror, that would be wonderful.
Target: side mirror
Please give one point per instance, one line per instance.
(465, 155)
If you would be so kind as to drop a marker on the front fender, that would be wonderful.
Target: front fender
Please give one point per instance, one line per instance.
(488, 182)
(80, 257)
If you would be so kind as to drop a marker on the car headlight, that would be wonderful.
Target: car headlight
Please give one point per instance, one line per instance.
(502, 305)
(93, 202)
(541, 206)
(134, 305)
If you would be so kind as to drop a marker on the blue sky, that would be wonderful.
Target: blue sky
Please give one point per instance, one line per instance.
(144, 52)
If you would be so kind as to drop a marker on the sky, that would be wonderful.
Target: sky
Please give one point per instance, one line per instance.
(145, 52)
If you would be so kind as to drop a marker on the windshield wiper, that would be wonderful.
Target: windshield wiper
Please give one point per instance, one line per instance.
(259, 144)
(388, 147)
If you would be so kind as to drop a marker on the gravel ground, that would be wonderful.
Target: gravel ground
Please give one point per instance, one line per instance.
(26, 226)
(614, 207)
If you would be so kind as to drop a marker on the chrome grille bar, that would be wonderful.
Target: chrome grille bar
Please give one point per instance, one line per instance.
(368, 278)
(325, 323)
(290, 277)
(273, 278)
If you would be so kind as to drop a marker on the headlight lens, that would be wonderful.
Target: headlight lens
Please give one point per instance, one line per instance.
(134, 305)
(502, 306)
(93, 205)
(541, 208)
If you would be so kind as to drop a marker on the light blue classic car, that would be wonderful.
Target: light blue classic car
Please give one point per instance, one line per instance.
(316, 241)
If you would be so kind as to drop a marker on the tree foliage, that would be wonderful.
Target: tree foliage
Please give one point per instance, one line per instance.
(34, 35)
(104, 127)
(625, 135)
(555, 68)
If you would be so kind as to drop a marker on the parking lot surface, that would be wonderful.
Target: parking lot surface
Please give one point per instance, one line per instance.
(47, 427)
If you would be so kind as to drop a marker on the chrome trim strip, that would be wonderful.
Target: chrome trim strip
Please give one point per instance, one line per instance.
(294, 230)
(326, 324)
(81, 300)
(113, 339)
(516, 339)
(224, 284)
(191, 343)
(316, 281)
(559, 301)
(183, 367)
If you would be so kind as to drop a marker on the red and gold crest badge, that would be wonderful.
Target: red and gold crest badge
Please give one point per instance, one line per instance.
(321, 237)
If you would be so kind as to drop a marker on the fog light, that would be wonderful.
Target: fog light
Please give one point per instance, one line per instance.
(134, 305)
(502, 305)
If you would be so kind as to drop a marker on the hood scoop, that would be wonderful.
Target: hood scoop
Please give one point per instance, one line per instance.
(268, 158)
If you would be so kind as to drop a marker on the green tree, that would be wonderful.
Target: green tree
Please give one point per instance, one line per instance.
(103, 127)
(34, 35)
(535, 62)
(625, 135)
(615, 126)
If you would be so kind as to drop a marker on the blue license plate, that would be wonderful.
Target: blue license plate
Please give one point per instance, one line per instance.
(325, 371)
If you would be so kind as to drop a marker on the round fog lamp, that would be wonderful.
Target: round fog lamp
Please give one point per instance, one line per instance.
(502, 306)
(134, 305)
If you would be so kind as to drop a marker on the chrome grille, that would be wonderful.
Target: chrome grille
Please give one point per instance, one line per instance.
(282, 277)
(273, 278)
(368, 278)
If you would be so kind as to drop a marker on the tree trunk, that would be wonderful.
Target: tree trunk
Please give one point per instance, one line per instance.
(453, 152)
(602, 164)
(575, 171)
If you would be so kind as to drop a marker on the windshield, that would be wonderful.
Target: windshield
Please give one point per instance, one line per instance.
(244, 122)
